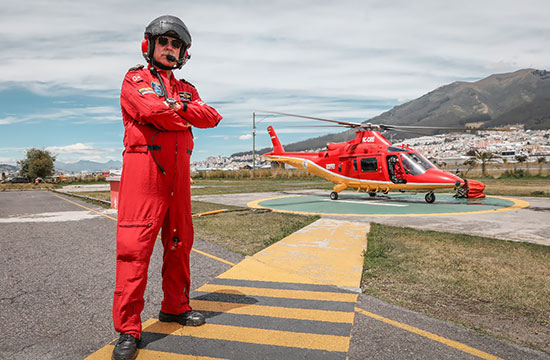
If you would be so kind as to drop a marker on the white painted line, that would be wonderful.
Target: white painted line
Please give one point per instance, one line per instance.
(60, 216)
(364, 202)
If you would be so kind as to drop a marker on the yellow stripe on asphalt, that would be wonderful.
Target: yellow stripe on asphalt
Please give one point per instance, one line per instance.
(87, 208)
(274, 311)
(254, 336)
(325, 252)
(431, 336)
(115, 219)
(279, 293)
(213, 257)
(106, 351)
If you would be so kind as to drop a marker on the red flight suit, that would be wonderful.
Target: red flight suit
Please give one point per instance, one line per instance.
(155, 137)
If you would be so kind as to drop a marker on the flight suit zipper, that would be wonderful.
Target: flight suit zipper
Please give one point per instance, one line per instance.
(136, 225)
(175, 165)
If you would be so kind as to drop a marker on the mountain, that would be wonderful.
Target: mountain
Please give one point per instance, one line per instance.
(86, 165)
(8, 169)
(520, 97)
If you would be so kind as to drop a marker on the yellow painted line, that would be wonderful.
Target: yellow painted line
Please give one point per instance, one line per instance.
(517, 204)
(254, 336)
(105, 354)
(279, 293)
(274, 311)
(326, 252)
(213, 212)
(214, 257)
(115, 219)
(431, 336)
(85, 207)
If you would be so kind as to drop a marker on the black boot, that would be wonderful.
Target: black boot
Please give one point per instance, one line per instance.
(188, 318)
(125, 348)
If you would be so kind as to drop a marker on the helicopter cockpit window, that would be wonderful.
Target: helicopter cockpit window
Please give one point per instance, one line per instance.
(396, 149)
(369, 165)
(415, 164)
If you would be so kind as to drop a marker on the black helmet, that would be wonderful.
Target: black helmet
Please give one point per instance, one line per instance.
(167, 25)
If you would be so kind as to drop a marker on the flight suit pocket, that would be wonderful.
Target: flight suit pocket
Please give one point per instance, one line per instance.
(134, 239)
(137, 149)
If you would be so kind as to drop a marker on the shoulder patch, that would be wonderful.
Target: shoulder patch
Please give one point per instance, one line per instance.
(185, 96)
(187, 82)
(136, 67)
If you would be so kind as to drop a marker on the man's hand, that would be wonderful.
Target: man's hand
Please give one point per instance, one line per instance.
(175, 106)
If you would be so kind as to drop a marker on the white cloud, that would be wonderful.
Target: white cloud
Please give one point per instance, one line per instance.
(8, 120)
(78, 148)
(8, 160)
(245, 137)
(96, 114)
(348, 48)
(346, 60)
(80, 151)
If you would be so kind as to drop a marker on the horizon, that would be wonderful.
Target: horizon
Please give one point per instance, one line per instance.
(351, 60)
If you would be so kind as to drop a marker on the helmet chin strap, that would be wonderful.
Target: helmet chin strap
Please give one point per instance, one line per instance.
(164, 67)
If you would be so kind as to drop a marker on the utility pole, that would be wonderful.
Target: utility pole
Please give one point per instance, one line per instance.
(253, 141)
(254, 135)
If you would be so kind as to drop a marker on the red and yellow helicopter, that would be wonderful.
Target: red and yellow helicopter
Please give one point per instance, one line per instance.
(371, 163)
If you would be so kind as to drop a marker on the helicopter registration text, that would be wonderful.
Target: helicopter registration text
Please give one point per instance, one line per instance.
(368, 139)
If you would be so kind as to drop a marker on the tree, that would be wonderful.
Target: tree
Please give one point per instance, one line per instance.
(541, 160)
(471, 152)
(38, 163)
(521, 158)
(484, 157)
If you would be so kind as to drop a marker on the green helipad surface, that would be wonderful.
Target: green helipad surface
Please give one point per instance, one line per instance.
(392, 204)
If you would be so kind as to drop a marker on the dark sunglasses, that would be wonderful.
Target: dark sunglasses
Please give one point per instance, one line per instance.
(163, 41)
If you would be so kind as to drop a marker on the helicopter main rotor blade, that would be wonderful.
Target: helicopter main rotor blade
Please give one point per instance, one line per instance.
(390, 127)
(409, 132)
(369, 126)
(302, 126)
(342, 123)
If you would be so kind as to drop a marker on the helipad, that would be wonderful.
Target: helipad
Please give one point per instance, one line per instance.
(393, 204)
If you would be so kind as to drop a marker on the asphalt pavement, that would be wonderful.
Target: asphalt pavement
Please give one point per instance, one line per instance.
(58, 273)
(58, 267)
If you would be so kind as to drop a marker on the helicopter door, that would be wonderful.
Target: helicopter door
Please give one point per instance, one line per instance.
(352, 170)
(395, 170)
(370, 168)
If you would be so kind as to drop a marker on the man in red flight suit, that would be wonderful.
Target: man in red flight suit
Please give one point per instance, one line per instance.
(158, 111)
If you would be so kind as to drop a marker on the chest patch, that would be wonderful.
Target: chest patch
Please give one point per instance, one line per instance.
(157, 88)
(185, 96)
(146, 90)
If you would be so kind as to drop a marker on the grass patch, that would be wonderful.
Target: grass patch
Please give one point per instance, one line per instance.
(245, 232)
(493, 286)
(27, 186)
(102, 195)
(532, 186)
(233, 186)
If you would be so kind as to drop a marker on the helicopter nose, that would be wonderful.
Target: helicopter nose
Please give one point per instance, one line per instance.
(447, 178)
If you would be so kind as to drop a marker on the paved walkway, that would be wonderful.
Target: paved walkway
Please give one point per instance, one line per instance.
(294, 299)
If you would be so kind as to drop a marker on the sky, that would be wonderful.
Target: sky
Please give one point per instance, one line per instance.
(63, 63)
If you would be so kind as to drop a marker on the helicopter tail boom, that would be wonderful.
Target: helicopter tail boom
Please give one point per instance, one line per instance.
(277, 147)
